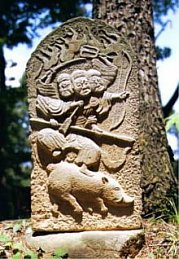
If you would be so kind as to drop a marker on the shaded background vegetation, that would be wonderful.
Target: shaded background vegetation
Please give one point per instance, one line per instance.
(19, 21)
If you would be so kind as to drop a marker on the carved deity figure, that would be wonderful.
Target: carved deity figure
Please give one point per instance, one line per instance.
(83, 93)
(79, 92)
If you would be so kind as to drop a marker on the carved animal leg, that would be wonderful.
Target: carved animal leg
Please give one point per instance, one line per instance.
(73, 202)
(101, 205)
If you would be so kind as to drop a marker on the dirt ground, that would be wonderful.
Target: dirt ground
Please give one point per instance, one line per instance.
(161, 241)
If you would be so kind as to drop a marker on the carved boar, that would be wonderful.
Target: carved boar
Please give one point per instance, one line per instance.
(69, 183)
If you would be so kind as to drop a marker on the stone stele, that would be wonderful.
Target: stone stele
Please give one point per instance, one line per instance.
(83, 99)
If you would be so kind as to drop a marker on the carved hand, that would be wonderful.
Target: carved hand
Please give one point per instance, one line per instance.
(124, 95)
(104, 106)
(90, 121)
(77, 104)
(53, 123)
(96, 128)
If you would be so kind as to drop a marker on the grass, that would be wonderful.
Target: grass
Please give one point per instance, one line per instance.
(162, 240)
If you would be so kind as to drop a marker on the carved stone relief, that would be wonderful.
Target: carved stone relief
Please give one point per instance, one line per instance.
(83, 106)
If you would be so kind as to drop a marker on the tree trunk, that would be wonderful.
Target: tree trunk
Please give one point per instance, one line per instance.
(133, 19)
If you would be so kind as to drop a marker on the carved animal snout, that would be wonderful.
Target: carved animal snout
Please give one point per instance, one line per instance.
(127, 199)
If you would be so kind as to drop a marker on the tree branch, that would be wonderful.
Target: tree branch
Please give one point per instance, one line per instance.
(168, 107)
(162, 29)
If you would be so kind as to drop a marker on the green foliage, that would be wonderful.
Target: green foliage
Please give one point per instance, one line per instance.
(172, 126)
(162, 53)
(17, 227)
(151, 255)
(162, 7)
(171, 213)
(174, 212)
(14, 153)
(160, 10)
(18, 255)
(172, 121)
(4, 238)
(20, 19)
(60, 253)
(171, 238)
(17, 247)
(30, 255)
(13, 245)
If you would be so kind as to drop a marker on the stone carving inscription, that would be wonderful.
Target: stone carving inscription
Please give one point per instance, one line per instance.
(83, 115)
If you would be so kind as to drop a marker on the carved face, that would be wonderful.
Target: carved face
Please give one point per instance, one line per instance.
(81, 83)
(82, 87)
(65, 86)
(97, 84)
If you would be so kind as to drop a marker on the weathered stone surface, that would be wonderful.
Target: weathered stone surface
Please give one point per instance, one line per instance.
(84, 112)
(90, 244)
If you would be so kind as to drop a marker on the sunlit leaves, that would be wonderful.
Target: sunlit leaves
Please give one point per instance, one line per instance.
(172, 121)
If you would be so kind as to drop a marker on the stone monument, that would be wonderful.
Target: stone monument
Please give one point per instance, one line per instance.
(83, 99)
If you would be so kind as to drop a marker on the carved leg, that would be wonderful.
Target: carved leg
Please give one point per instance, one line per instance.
(73, 202)
(55, 210)
(101, 205)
